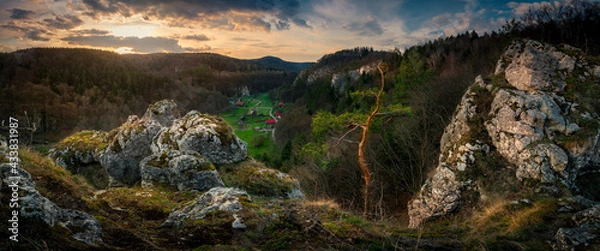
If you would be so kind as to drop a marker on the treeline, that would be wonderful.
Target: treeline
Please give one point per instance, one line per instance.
(63, 90)
(428, 80)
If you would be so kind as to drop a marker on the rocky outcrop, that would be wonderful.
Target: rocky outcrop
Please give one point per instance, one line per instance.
(211, 136)
(164, 112)
(528, 114)
(127, 146)
(32, 204)
(441, 194)
(185, 169)
(340, 80)
(80, 149)
(218, 198)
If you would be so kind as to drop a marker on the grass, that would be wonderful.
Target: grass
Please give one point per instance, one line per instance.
(247, 131)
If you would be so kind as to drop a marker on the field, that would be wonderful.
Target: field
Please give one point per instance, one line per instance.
(249, 122)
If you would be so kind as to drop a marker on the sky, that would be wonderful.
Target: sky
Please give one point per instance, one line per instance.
(294, 30)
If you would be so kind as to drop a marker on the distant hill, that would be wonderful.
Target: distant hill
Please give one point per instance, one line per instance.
(278, 63)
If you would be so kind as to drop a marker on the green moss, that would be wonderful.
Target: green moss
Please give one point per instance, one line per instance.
(84, 141)
(255, 178)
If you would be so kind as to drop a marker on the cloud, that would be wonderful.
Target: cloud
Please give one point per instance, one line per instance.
(369, 27)
(140, 45)
(282, 25)
(36, 35)
(65, 22)
(218, 14)
(20, 13)
(91, 32)
(200, 37)
(14, 26)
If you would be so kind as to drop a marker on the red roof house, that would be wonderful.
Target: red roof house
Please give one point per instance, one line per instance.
(271, 122)
(240, 103)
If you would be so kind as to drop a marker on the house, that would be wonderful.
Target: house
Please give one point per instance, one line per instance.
(281, 105)
(278, 114)
(271, 122)
(240, 103)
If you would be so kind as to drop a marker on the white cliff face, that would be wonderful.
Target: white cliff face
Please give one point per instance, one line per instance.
(534, 121)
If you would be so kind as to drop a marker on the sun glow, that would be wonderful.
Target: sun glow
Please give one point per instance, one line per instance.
(124, 50)
(133, 30)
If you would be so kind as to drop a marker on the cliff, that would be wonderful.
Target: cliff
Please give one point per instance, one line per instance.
(530, 131)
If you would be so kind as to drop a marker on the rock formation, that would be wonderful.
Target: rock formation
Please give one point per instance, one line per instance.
(535, 114)
(80, 149)
(218, 198)
(186, 170)
(211, 136)
(32, 204)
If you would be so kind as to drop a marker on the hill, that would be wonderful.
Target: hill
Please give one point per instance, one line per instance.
(278, 63)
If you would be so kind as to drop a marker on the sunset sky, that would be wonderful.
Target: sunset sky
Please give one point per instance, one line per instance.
(295, 30)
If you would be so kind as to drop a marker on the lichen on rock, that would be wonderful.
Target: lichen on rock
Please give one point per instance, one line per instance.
(218, 198)
(34, 205)
(211, 136)
(184, 169)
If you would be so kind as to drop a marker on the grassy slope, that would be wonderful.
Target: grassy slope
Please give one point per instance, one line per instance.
(262, 104)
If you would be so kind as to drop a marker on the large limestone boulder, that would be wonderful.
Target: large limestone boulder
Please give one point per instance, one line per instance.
(184, 169)
(32, 204)
(211, 136)
(529, 115)
(130, 143)
(219, 198)
(127, 146)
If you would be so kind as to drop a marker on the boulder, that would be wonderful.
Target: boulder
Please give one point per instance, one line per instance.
(211, 136)
(184, 169)
(164, 112)
(32, 204)
(127, 146)
(80, 149)
(532, 66)
(218, 198)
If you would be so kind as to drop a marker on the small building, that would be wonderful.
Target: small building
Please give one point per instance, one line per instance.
(240, 103)
(281, 105)
(271, 122)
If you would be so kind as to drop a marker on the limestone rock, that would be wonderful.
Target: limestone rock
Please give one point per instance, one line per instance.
(186, 170)
(260, 180)
(127, 146)
(211, 136)
(442, 193)
(34, 205)
(535, 124)
(532, 66)
(164, 112)
(80, 149)
(218, 198)
(584, 234)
